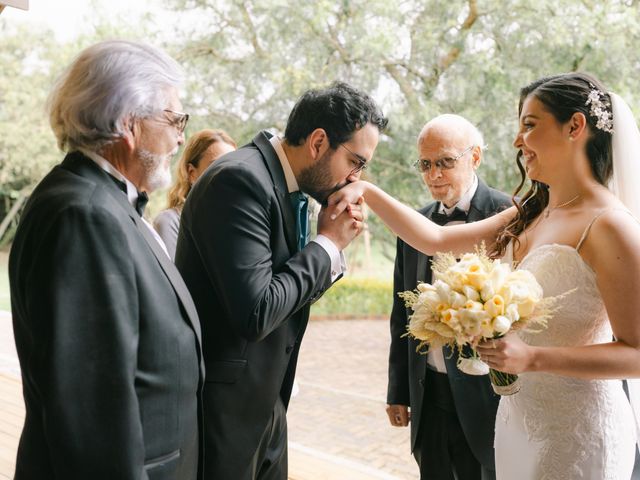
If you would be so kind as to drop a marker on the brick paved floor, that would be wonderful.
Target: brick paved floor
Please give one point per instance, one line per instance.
(338, 429)
(338, 412)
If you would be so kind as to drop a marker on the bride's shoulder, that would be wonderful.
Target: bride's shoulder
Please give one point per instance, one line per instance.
(613, 231)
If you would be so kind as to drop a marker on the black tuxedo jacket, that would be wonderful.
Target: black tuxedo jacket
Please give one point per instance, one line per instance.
(107, 335)
(476, 403)
(238, 255)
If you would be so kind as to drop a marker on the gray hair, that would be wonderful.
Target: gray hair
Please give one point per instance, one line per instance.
(455, 124)
(108, 85)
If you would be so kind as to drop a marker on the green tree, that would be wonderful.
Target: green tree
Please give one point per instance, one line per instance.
(248, 61)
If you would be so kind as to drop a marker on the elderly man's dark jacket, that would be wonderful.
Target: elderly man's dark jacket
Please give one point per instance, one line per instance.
(107, 336)
(475, 401)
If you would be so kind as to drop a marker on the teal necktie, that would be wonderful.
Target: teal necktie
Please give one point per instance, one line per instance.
(300, 204)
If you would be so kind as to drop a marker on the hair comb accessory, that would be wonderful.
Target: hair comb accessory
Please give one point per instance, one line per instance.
(600, 109)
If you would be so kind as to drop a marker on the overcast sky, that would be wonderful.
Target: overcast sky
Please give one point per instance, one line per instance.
(67, 17)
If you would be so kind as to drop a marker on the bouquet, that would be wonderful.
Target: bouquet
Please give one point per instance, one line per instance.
(475, 299)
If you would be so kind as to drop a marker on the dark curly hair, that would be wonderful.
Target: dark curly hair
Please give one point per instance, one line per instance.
(340, 110)
(562, 95)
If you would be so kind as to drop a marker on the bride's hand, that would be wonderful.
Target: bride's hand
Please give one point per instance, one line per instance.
(508, 354)
(352, 193)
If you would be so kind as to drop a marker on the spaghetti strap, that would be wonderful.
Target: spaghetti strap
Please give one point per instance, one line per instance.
(593, 220)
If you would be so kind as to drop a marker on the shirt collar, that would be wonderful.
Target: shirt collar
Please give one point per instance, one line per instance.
(104, 164)
(290, 178)
(464, 203)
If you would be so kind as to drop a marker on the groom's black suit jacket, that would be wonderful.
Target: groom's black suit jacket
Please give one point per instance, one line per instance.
(475, 401)
(107, 335)
(237, 251)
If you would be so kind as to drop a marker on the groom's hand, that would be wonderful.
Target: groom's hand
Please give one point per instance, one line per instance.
(342, 229)
(399, 415)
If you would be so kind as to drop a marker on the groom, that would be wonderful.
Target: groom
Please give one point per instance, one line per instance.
(243, 252)
(452, 415)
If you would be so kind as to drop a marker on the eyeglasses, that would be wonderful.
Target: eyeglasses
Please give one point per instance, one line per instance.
(362, 162)
(445, 163)
(179, 119)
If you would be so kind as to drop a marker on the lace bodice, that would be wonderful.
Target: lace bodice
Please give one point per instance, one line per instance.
(581, 318)
(573, 419)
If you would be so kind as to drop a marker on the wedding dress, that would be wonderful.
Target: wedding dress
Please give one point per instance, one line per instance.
(559, 427)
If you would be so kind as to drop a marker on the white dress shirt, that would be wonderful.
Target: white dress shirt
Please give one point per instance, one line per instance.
(132, 191)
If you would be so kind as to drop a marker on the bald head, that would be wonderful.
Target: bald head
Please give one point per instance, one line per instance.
(450, 149)
(454, 127)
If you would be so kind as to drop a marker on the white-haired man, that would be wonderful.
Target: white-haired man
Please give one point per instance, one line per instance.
(452, 415)
(106, 331)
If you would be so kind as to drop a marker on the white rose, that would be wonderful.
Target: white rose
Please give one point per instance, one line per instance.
(501, 324)
(519, 286)
(526, 308)
(473, 366)
(512, 313)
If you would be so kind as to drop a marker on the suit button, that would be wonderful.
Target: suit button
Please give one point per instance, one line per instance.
(289, 349)
(422, 382)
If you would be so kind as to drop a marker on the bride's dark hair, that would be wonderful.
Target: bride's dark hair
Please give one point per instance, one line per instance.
(562, 96)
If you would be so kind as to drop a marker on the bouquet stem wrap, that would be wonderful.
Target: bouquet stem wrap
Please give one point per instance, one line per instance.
(504, 383)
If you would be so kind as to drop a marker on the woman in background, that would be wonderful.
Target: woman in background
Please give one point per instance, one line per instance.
(201, 150)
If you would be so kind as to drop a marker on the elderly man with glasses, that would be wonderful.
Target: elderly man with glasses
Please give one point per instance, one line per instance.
(243, 250)
(452, 415)
(106, 331)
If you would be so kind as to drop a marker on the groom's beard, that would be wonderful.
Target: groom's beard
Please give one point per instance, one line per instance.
(316, 180)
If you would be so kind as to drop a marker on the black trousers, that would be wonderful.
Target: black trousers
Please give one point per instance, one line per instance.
(270, 461)
(442, 451)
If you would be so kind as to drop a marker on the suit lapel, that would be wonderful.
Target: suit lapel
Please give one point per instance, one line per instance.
(482, 204)
(88, 169)
(262, 142)
(423, 267)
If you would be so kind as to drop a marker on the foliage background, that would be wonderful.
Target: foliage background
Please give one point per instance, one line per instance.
(247, 62)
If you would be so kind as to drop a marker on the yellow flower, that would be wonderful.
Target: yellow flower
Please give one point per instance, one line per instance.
(450, 318)
(495, 306)
(476, 274)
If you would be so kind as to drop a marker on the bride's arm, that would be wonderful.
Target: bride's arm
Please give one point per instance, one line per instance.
(419, 232)
(613, 251)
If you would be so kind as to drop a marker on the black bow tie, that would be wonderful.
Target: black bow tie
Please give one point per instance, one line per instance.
(142, 199)
(141, 202)
(442, 218)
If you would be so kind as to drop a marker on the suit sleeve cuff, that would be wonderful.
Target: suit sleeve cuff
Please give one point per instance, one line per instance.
(338, 262)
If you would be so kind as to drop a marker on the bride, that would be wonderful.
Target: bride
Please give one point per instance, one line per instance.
(571, 418)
